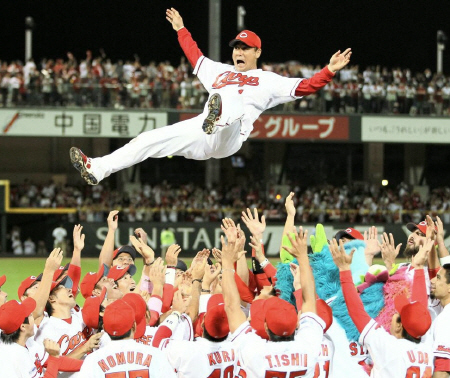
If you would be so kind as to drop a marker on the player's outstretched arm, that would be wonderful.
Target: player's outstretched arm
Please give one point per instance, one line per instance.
(339, 60)
(230, 255)
(106, 254)
(41, 294)
(174, 18)
(299, 249)
(352, 300)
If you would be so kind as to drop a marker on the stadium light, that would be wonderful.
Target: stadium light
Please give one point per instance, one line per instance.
(441, 38)
(29, 26)
(384, 182)
(240, 18)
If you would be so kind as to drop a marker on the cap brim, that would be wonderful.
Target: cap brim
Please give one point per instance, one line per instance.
(340, 234)
(2, 280)
(411, 226)
(39, 278)
(235, 41)
(400, 301)
(132, 269)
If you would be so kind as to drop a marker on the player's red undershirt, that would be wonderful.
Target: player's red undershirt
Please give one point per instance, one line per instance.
(305, 87)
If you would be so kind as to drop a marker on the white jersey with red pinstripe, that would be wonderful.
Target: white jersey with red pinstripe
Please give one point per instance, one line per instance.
(262, 358)
(394, 357)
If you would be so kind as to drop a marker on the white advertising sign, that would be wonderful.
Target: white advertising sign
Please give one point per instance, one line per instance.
(405, 129)
(79, 123)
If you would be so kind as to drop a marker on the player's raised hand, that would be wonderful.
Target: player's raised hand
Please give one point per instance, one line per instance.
(174, 18)
(217, 253)
(143, 249)
(339, 60)
(389, 251)
(211, 273)
(172, 254)
(141, 234)
(340, 257)
(431, 228)
(78, 238)
(178, 304)
(289, 204)
(299, 243)
(257, 247)
(52, 347)
(420, 259)
(157, 273)
(255, 226)
(54, 260)
(113, 220)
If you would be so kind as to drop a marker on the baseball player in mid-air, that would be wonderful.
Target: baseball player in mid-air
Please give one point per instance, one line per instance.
(238, 94)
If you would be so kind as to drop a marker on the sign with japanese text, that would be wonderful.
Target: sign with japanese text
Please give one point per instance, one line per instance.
(79, 123)
(405, 129)
(299, 127)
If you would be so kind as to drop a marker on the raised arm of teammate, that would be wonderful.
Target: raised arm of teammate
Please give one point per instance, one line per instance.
(230, 254)
(352, 300)
(188, 45)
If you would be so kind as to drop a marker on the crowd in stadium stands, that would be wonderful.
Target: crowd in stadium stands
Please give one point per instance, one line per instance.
(360, 203)
(99, 82)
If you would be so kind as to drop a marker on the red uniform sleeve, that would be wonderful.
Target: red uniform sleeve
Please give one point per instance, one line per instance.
(353, 301)
(167, 297)
(244, 291)
(154, 317)
(312, 85)
(261, 281)
(298, 294)
(52, 367)
(419, 289)
(433, 272)
(189, 46)
(442, 364)
(271, 272)
(162, 333)
(74, 272)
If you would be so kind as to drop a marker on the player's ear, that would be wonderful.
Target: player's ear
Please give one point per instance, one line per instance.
(258, 53)
(51, 298)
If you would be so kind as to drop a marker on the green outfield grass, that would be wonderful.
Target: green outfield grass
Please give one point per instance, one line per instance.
(17, 269)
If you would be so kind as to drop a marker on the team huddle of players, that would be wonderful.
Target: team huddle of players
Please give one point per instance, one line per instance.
(224, 320)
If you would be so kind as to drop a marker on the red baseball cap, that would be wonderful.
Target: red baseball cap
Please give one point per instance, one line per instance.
(60, 271)
(13, 313)
(247, 37)
(280, 316)
(422, 227)
(117, 272)
(118, 318)
(91, 279)
(125, 249)
(216, 321)
(350, 233)
(415, 318)
(140, 307)
(91, 309)
(2, 280)
(325, 312)
(26, 284)
(257, 318)
(66, 282)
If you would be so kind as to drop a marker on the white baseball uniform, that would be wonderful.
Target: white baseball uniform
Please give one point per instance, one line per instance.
(394, 357)
(441, 335)
(16, 362)
(245, 95)
(69, 336)
(262, 358)
(126, 358)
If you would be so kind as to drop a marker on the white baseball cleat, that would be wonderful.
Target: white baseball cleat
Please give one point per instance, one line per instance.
(83, 164)
(215, 111)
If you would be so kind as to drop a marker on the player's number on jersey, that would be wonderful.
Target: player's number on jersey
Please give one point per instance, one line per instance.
(131, 374)
(414, 372)
(227, 373)
(282, 374)
(326, 369)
